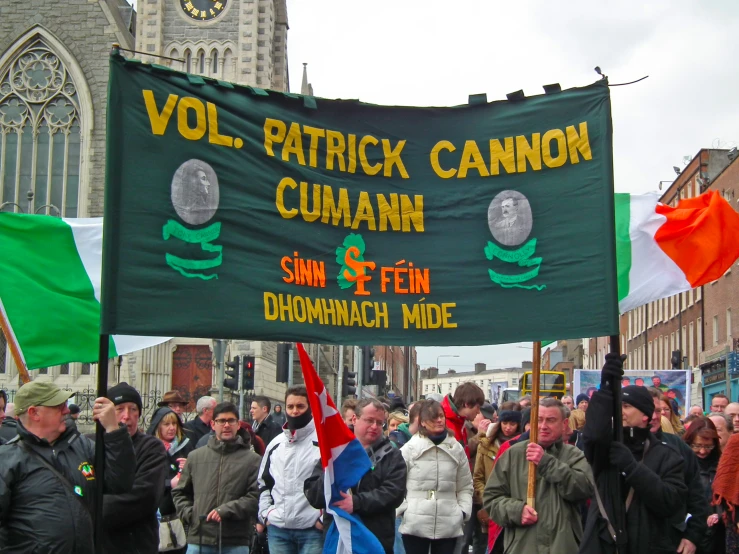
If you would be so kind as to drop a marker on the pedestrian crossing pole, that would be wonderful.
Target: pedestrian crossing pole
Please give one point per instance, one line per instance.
(534, 422)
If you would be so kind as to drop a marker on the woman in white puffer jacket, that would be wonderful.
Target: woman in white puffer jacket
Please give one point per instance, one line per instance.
(439, 487)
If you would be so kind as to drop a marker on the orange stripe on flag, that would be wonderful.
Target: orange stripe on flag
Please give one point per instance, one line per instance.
(700, 236)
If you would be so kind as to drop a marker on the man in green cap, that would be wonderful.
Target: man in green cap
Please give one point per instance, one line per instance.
(47, 477)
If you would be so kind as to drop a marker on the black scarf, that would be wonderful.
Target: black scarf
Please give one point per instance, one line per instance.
(298, 422)
(438, 439)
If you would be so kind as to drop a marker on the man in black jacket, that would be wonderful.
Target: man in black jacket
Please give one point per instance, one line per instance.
(692, 532)
(47, 477)
(130, 519)
(264, 426)
(651, 472)
(382, 489)
(200, 426)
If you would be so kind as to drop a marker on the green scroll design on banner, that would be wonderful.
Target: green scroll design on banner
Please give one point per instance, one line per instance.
(523, 258)
(204, 237)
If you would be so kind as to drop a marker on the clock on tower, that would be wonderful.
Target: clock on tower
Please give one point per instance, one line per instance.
(203, 10)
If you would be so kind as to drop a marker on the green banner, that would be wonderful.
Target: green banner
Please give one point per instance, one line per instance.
(235, 212)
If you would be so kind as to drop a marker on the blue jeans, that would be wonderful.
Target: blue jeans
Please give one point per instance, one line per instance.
(398, 547)
(294, 541)
(195, 549)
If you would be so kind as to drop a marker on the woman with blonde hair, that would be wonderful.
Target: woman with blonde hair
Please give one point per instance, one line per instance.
(167, 427)
(439, 486)
(667, 412)
(394, 420)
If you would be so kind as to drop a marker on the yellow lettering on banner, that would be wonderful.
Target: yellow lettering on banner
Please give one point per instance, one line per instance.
(356, 318)
(366, 320)
(502, 155)
(270, 307)
(274, 131)
(382, 314)
(428, 316)
(364, 212)
(389, 212)
(342, 312)
(546, 148)
(213, 136)
(530, 152)
(392, 158)
(293, 145)
(299, 309)
(332, 210)
(472, 159)
(315, 213)
(578, 143)
(198, 132)
(352, 153)
(364, 162)
(335, 148)
(434, 156)
(280, 201)
(314, 134)
(159, 120)
(412, 213)
(314, 311)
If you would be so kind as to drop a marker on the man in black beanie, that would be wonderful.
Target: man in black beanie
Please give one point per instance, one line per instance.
(130, 519)
(653, 488)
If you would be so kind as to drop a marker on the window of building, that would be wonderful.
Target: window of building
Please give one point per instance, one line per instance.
(690, 349)
(698, 294)
(650, 322)
(85, 370)
(651, 356)
(631, 324)
(698, 335)
(690, 297)
(64, 369)
(672, 345)
(201, 62)
(41, 130)
(214, 63)
(659, 310)
(715, 330)
(43, 371)
(684, 342)
(188, 61)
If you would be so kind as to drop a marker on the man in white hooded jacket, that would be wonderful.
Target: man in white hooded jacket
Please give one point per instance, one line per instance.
(293, 525)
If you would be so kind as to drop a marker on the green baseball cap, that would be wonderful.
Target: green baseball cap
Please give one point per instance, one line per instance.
(39, 393)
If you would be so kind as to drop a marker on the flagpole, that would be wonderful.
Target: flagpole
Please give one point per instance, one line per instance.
(534, 432)
(15, 349)
(102, 390)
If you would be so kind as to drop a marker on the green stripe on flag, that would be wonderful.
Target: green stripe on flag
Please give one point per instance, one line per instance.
(623, 243)
(46, 291)
(546, 343)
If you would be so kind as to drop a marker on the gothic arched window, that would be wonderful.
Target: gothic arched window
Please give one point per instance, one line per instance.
(40, 132)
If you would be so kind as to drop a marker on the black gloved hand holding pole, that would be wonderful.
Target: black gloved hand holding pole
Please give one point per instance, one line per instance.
(613, 370)
(621, 457)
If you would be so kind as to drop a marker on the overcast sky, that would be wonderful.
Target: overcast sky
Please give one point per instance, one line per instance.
(428, 52)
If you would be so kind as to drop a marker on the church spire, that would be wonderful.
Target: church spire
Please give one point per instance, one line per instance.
(306, 89)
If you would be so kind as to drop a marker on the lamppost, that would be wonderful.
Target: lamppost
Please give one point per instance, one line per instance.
(437, 367)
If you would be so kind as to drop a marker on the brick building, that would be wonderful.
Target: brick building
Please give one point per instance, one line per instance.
(720, 305)
(400, 363)
(652, 333)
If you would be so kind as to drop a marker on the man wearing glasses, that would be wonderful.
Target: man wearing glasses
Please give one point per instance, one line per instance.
(219, 483)
(47, 477)
(382, 489)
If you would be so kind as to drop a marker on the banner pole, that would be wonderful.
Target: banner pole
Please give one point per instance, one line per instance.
(534, 432)
(102, 390)
(15, 349)
(618, 429)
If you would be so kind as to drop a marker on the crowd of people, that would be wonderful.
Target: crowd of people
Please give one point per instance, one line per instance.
(448, 474)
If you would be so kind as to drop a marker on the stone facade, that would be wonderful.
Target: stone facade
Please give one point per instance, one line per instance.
(246, 43)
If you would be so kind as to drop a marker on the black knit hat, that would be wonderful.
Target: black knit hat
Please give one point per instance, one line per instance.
(510, 415)
(580, 398)
(123, 392)
(640, 398)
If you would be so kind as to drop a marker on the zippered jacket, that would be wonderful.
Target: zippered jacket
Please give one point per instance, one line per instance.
(439, 489)
(41, 513)
(221, 476)
(287, 463)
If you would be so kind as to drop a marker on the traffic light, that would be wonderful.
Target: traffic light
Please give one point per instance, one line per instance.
(248, 373)
(232, 382)
(676, 359)
(368, 363)
(349, 386)
(283, 361)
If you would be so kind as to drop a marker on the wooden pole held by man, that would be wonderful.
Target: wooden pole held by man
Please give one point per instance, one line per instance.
(534, 432)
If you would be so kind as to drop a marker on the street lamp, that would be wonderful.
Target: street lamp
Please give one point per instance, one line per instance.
(437, 367)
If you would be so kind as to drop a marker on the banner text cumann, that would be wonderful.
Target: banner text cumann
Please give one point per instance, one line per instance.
(241, 213)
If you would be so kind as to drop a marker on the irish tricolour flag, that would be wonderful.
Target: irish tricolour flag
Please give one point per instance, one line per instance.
(663, 250)
(50, 273)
